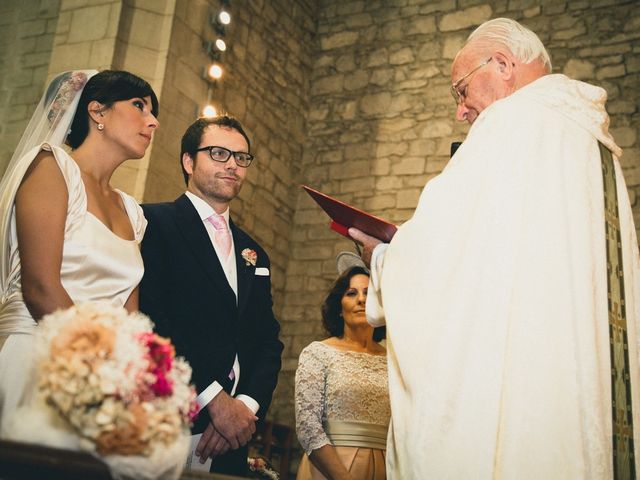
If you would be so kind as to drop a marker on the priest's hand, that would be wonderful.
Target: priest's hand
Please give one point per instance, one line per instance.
(211, 444)
(232, 419)
(368, 242)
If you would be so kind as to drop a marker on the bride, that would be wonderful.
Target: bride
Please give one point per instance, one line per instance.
(66, 235)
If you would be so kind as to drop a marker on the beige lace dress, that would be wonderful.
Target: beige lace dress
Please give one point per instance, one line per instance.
(342, 399)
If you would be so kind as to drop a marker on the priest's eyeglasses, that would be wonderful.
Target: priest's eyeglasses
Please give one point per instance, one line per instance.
(459, 94)
(221, 154)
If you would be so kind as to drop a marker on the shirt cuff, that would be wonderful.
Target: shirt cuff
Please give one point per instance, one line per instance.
(208, 394)
(373, 307)
(249, 402)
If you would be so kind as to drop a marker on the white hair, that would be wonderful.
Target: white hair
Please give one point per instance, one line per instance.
(521, 42)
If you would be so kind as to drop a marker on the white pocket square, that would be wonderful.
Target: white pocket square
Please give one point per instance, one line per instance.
(263, 271)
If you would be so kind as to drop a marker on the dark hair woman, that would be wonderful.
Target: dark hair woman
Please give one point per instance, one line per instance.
(66, 235)
(341, 394)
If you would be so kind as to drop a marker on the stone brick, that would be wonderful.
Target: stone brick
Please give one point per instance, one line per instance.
(421, 25)
(18, 79)
(610, 60)
(393, 30)
(381, 166)
(452, 46)
(35, 59)
(349, 8)
(421, 147)
(579, 5)
(610, 72)
(381, 202)
(568, 34)
(408, 166)
(32, 28)
(620, 106)
(330, 84)
(434, 6)
(418, 181)
(394, 126)
(632, 63)
(357, 80)
(358, 21)
(392, 148)
(579, 69)
(357, 185)
(554, 8)
(345, 63)
(436, 164)
(401, 57)
(381, 77)
(604, 50)
(88, 24)
(349, 169)
(624, 136)
(357, 152)
(349, 110)
(101, 55)
(407, 198)
(378, 57)
(466, 18)
(436, 128)
(338, 40)
(632, 24)
(532, 12)
(376, 103)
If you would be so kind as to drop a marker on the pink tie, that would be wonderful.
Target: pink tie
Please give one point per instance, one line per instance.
(223, 236)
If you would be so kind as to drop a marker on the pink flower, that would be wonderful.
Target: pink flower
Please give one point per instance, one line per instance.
(250, 257)
(161, 354)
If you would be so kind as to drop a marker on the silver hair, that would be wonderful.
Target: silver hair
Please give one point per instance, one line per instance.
(522, 42)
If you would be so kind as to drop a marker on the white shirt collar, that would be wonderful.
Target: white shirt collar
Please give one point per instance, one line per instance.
(203, 208)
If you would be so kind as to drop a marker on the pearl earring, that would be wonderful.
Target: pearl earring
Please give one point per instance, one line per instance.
(100, 126)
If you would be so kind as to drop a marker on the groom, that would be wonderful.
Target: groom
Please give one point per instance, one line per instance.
(207, 286)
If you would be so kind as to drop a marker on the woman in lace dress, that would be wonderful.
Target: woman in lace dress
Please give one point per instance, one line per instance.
(67, 236)
(342, 399)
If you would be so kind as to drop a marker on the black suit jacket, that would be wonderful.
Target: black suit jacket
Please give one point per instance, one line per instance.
(186, 293)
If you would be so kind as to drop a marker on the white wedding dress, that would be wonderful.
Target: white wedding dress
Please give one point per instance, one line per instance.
(97, 265)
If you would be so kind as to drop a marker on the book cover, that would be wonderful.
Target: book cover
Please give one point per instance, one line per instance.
(344, 216)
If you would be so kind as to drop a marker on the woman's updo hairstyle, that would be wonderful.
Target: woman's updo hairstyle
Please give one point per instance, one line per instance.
(107, 87)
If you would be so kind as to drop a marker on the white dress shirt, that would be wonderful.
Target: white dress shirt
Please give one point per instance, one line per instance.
(229, 266)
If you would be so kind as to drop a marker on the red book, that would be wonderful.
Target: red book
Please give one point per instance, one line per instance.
(345, 216)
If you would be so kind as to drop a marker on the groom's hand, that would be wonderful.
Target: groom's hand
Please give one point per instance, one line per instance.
(232, 419)
(211, 444)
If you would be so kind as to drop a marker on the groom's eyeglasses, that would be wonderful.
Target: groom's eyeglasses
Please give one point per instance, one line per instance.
(221, 154)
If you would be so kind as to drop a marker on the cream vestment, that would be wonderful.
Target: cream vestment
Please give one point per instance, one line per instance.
(495, 299)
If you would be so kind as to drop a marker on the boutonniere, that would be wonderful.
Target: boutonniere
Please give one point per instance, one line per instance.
(250, 257)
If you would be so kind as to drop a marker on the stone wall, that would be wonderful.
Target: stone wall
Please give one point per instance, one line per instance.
(27, 28)
(382, 119)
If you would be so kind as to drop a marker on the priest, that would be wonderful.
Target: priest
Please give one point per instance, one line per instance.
(506, 357)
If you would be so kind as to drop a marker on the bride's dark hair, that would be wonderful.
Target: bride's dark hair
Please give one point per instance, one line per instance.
(107, 87)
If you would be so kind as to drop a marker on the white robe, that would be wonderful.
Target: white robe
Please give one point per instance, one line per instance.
(495, 298)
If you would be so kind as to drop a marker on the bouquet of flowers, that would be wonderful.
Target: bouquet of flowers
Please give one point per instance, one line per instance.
(103, 382)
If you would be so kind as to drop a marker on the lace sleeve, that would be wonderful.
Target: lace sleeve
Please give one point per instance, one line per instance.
(310, 398)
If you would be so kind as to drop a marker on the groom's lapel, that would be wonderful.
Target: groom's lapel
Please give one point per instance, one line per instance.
(246, 272)
(197, 242)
